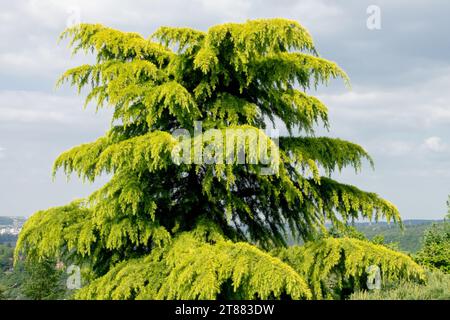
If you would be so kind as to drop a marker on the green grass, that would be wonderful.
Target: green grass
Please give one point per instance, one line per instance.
(437, 287)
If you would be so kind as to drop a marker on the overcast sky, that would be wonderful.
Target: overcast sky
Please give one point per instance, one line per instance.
(398, 107)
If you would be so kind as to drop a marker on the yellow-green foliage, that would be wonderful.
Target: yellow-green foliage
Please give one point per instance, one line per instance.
(329, 153)
(114, 44)
(137, 233)
(75, 230)
(331, 263)
(46, 232)
(193, 268)
(151, 151)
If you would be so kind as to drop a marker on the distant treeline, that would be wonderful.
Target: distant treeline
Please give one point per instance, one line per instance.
(8, 238)
(9, 221)
(409, 239)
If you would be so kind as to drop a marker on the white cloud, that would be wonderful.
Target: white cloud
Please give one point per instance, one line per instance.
(408, 148)
(425, 105)
(393, 148)
(32, 107)
(435, 144)
(42, 61)
(30, 28)
(231, 9)
(402, 102)
(2, 152)
(18, 107)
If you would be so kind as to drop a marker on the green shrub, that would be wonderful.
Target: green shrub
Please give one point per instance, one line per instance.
(435, 253)
(336, 267)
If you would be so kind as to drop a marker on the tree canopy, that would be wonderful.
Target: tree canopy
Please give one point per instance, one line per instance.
(193, 229)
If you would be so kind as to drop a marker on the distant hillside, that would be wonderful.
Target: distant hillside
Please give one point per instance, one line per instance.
(8, 238)
(410, 239)
(9, 221)
(5, 221)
